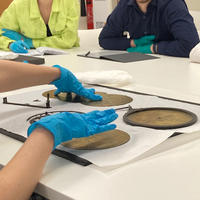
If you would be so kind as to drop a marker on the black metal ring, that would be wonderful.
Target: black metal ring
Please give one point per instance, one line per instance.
(38, 116)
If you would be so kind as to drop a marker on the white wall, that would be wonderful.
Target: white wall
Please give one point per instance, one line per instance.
(193, 4)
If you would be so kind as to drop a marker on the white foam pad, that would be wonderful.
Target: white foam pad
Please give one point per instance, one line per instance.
(113, 77)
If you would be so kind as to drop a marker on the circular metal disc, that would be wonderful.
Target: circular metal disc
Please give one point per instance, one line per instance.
(62, 96)
(105, 140)
(160, 118)
(108, 100)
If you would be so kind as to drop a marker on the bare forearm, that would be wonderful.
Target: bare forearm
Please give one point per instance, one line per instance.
(15, 75)
(20, 176)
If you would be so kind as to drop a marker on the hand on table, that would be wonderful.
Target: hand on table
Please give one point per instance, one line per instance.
(145, 40)
(13, 35)
(142, 45)
(141, 49)
(69, 83)
(65, 126)
(19, 47)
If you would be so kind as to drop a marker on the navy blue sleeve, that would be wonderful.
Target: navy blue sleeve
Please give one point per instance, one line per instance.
(181, 26)
(111, 36)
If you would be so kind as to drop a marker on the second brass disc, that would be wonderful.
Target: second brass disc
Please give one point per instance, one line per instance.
(105, 140)
(160, 118)
(108, 100)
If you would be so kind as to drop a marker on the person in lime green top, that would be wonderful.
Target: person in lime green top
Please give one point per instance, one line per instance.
(34, 23)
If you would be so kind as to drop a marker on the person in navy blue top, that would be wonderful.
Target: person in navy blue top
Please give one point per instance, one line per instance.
(150, 26)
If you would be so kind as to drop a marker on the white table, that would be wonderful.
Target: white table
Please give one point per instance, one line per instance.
(168, 76)
(169, 171)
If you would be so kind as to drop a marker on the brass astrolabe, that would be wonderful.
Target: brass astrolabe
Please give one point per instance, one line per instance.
(105, 140)
(107, 101)
(160, 117)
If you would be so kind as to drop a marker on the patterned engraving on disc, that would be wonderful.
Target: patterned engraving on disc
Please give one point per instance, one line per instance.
(105, 140)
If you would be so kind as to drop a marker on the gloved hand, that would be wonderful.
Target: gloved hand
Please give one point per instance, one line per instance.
(65, 126)
(141, 49)
(148, 39)
(69, 83)
(19, 47)
(13, 35)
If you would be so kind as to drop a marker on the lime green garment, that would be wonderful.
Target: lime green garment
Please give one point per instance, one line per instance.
(24, 17)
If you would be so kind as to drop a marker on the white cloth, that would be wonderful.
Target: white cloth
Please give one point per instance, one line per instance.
(195, 54)
(40, 51)
(7, 55)
(112, 77)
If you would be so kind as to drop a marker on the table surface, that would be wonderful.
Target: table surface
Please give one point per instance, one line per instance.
(168, 171)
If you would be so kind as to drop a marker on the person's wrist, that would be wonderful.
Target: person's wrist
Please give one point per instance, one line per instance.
(56, 74)
(45, 127)
(57, 70)
(44, 136)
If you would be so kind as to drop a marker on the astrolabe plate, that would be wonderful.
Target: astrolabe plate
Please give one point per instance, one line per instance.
(160, 117)
(63, 96)
(108, 99)
(105, 140)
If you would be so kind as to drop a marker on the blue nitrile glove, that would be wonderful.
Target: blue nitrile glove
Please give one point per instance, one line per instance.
(148, 39)
(141, 49)
(69, 83)
(19, 47)
(65, 126)
(13, 35)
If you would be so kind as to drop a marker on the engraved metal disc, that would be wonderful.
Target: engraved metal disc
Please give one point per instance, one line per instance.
(105, 140)
(108, 100)
(63, 96)
(160, 117)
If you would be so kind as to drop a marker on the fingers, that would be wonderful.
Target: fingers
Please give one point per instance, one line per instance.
(101, 117)
(5, 30)
(99, 114)
(94, 97)
(57, 92)
(21, 49)
(92, 90)
(105, 112)
(100, 129)
(25, 45)
(5, 34)
(18, 48)
(107, 119)
(90, 94)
